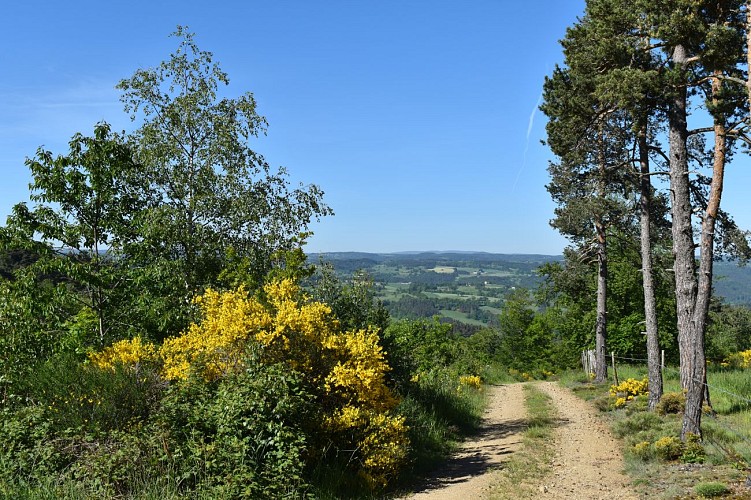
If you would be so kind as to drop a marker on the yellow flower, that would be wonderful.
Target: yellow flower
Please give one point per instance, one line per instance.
(230, 319)
(470, 381)
(628, 390)
(347, 369)
(125, 352)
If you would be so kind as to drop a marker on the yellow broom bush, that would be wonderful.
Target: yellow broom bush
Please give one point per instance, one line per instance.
(739, 360)
(628, 390)
(124, 352)
(346, 370)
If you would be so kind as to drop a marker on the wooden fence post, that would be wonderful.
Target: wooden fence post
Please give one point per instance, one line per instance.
(589, 362)
(615, 372)
(584, 362)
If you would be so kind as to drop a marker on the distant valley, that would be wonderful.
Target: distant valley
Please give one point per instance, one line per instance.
(465, 288)
(468, 288)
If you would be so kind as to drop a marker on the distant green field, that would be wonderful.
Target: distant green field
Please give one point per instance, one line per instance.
(459, 316)
(416, 285)
(490, 309)
(443, 270)
(391, 291)
(448, 295)
(499, 273)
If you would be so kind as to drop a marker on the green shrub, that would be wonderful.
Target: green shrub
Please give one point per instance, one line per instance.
(70, 439)
(639, 404)
(242, 437)
(636, 423)
(693, 451)
(419, 347)
(26, 447)
(643, 450)
(119, 463)
(711, 489)
(668, 448)
(603, 403)
(77, 395)
(671, 403)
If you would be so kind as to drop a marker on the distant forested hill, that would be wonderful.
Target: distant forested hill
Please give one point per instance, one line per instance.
(733, 282)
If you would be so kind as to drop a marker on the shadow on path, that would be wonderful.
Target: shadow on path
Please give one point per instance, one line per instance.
(481, 453)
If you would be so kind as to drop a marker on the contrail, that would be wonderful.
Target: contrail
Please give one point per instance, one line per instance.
(526, 145)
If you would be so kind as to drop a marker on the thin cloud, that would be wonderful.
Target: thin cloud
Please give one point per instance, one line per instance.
(526, 144)
(51, 114)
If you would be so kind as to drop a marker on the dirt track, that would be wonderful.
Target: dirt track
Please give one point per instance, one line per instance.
(587, 464)
(469, 474)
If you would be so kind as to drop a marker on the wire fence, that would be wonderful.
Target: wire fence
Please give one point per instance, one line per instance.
(730, 454)
(712, 388)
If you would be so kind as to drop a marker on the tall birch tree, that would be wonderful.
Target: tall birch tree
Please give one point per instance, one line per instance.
(211, 199)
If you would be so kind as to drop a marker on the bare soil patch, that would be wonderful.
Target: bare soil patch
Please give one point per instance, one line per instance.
(588, 463)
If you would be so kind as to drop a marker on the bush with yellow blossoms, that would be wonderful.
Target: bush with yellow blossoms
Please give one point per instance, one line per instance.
(344, 370)
(217, 344)
(347, 370)
(627, 390)
(125, 352)
(473, 381)
(739, 360)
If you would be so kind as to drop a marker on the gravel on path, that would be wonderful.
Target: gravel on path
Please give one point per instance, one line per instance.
(587, 464)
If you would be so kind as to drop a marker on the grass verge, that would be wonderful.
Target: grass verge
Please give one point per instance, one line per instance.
(440, 412)
(690, 470)
(523, 472)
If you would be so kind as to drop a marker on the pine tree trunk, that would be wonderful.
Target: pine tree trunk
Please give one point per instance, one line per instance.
(650, 308)
(601, 325)
(697, 388)
(684, 264)
(601, 373)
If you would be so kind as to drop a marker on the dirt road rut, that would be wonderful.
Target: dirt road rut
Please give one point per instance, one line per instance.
(469, 474)
(587, 464)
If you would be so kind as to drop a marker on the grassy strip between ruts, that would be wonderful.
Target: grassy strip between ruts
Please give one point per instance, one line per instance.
(521, 475)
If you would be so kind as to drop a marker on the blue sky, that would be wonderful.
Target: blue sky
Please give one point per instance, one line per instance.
(417, 118)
